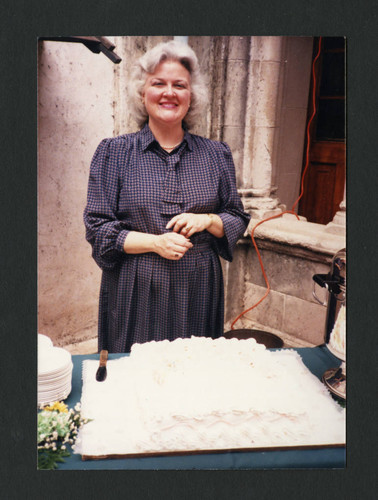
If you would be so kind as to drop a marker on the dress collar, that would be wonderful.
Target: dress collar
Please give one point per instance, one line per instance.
(147, 137)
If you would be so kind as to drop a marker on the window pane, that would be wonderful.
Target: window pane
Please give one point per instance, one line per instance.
(333, 74)
(331, 120)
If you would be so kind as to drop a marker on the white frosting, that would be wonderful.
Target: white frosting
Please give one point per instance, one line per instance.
(204, 394)
(337, 340)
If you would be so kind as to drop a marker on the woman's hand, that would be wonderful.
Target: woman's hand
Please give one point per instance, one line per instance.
(172, 246)
(169, 245)
(187, 224)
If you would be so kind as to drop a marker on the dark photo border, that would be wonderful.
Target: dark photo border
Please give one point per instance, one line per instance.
(22, 23)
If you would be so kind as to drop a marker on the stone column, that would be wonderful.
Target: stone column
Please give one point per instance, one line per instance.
(228, 84)
(261, 108)
(217, 86)
(235, 99)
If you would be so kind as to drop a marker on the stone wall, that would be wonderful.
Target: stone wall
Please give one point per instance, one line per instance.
(75, 111)
(291, 251)
(290, 308)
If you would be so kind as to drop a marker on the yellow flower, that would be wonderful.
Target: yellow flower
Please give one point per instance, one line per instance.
(61, 407)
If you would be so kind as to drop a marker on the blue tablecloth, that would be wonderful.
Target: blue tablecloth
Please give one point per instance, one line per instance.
(317, 359)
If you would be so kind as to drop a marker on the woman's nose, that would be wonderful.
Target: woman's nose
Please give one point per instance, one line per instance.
(169, 89)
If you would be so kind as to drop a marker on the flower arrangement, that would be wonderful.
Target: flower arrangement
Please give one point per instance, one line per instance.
(57, 428)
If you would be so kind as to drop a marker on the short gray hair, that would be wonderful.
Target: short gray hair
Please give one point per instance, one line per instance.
(168, 51)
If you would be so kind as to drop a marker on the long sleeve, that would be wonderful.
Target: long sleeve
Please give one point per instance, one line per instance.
(104, 231)
(231, 211)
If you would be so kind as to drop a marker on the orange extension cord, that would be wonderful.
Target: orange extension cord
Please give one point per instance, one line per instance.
(296, 202)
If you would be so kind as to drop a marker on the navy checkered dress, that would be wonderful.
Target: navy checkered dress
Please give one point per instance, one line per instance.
(134, 185)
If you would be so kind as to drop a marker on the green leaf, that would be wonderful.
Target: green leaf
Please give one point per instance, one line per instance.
(48, 459)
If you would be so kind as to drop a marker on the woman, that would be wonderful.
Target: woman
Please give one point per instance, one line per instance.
(162, 205)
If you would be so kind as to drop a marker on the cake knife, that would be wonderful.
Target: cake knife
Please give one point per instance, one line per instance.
(101, 370)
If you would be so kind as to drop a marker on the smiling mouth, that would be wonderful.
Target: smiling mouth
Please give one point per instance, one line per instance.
(168, 104)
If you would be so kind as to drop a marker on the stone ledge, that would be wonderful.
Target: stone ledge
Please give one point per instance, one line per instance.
(288, 230)
(290, 250)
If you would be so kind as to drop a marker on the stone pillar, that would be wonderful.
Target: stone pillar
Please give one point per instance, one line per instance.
(236, 91)
(217, 86)
(228, 93)
(261, 106)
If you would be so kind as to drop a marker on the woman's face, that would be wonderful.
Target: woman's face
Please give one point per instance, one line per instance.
(167, 94)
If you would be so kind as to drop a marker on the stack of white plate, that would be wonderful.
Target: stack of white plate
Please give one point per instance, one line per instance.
(54, 372)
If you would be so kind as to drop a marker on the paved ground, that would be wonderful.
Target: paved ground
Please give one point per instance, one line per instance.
(90, 346)
(86, 347)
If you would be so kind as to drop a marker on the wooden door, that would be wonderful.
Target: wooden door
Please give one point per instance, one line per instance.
(325, 177)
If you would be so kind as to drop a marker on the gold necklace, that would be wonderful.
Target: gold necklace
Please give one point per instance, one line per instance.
(170, 147)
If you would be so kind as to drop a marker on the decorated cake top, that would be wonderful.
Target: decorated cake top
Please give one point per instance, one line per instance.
(201, 394)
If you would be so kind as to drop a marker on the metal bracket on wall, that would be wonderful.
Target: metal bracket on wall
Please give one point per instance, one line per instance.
(96, 44)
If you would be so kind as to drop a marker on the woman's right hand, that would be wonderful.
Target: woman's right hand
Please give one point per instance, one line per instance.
(172, 246)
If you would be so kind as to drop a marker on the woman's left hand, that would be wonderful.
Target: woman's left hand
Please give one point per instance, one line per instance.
(188, 224)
